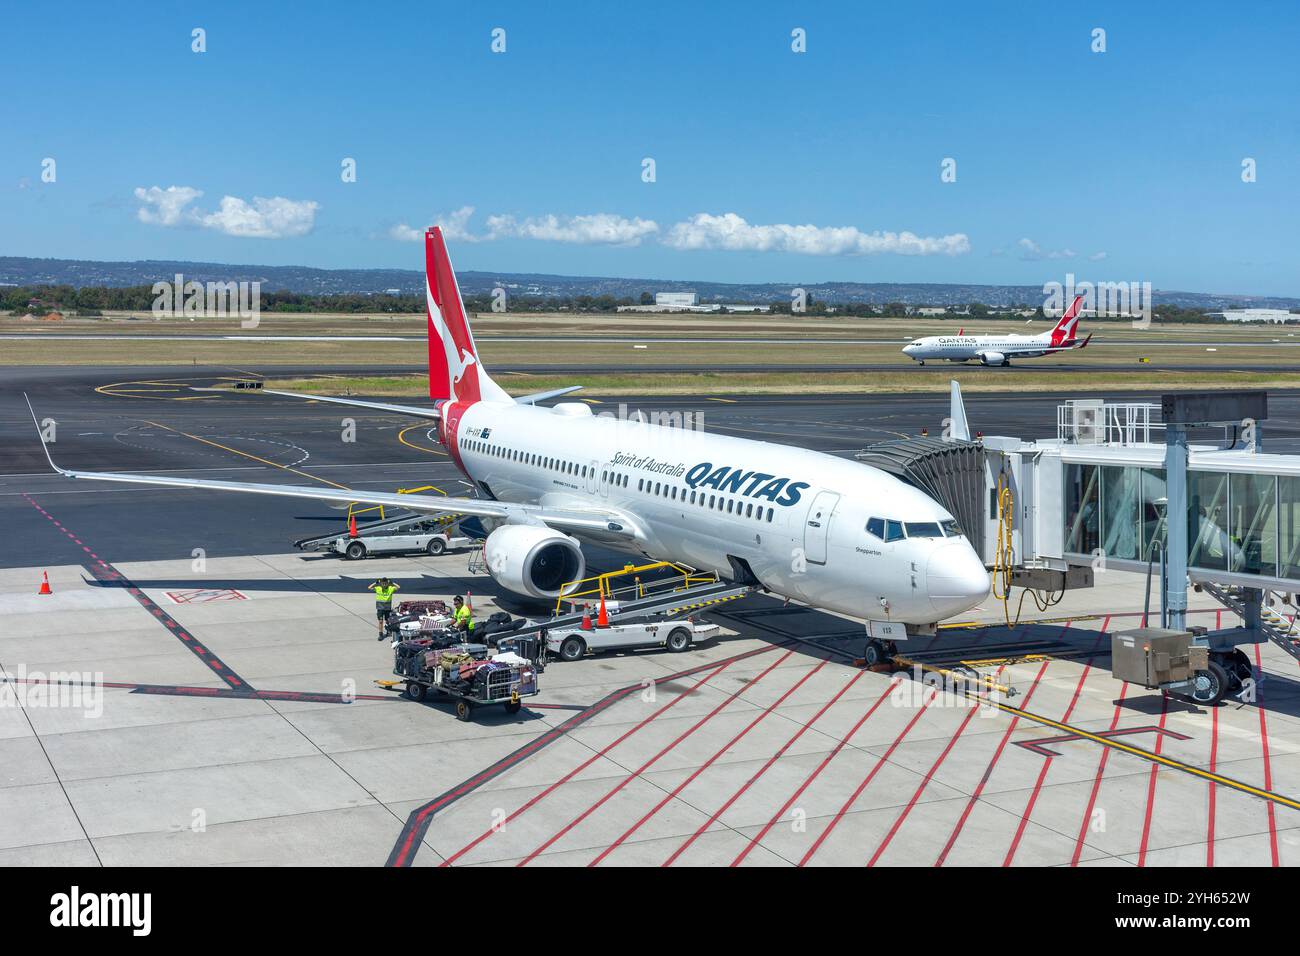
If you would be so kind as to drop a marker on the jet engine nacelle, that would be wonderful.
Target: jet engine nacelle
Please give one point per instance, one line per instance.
(533, 560)
(992, 358)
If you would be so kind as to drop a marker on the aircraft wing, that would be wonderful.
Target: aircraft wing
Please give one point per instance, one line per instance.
(604, 522)
(375, 406)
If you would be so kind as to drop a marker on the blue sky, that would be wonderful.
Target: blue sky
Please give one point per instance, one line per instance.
(1122, 165)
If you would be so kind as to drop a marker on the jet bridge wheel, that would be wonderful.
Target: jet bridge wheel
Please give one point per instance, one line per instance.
(1211, 685)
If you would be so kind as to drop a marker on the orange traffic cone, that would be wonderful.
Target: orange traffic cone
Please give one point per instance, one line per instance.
(45, 584)
(586, 618)
(352, 526)
(602, 619)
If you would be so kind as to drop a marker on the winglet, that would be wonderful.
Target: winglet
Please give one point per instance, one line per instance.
(958, 427)
(1086, 341)
(39, 434)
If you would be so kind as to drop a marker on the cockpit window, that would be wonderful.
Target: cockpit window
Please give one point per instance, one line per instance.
(923, 529)
(952, 529)
(885, 529)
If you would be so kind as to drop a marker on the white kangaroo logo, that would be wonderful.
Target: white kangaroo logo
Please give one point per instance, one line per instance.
(465, 361)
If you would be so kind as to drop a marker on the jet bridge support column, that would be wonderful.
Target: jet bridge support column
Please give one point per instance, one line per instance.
(1175, 576)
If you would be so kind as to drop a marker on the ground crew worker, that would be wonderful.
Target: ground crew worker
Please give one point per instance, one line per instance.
(383, 589)
(461, 615)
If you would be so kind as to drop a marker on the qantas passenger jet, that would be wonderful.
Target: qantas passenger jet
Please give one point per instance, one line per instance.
(1000, 349)
(833, 533)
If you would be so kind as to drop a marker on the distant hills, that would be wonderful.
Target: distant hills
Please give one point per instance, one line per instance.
(18, 270)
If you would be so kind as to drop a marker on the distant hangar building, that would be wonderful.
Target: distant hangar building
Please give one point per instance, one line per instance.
(677, 300)
(1259, 315)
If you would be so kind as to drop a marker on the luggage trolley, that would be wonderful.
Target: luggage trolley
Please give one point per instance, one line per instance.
(470, 676)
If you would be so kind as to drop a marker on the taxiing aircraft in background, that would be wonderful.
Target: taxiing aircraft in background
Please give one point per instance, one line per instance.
(999, 349)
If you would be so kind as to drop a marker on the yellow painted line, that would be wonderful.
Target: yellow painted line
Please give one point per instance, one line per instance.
(401, 436)
(1161, 759)
(591, 401)
(236, 451)
(729, 401)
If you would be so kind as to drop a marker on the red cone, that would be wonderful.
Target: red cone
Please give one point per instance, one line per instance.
(586, 618)
(602, 619)
(352, 526)
(45, 584)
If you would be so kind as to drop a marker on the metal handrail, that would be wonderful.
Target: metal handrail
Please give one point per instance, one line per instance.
(601, 585)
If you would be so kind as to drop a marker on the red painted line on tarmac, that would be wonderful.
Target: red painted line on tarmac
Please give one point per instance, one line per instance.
(110, 574)
(840, 745)
(1151, 784)
(418, 821)
(988, 771)
(761, 770)
(1268, 769)
(929, 775)
(1096, 783)
(839, 815)
(649, 763)
(538, 798)
(1214, 756)
(1047, 762)
(704, 766)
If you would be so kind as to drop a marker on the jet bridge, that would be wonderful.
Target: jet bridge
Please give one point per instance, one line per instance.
(1181, 491)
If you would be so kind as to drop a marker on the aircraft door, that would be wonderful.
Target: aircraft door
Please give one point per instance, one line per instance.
(817, 526)
(593, 478)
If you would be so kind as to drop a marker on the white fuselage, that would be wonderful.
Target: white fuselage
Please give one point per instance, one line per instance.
(798, 518)
(963, 348)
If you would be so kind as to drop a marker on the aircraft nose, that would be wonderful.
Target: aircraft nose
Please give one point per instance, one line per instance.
(955, 579)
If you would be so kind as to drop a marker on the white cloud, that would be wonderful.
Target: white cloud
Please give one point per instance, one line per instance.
(598, 229)
(165, 207)
(263, 218)
(732, 232)
(274, 218)
(1031, 251)
(1097, 257)
(404, 233)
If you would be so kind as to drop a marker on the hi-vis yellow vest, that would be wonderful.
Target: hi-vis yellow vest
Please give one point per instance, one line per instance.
(385, 594)
(462, 614)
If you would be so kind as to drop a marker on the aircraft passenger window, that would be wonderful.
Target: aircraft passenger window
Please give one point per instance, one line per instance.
(712, 500)
(749, 510)
(769, 515)
(923, 529)
(876, 526)
(639, 482)
(729, 504)
(952, 529)
(893, 531)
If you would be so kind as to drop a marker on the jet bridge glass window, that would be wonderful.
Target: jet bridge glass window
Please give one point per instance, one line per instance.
(1253, 524)
(1207, 521)
(924, 529)
(1082, 509)
(1288, 518)
(1120, 501)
